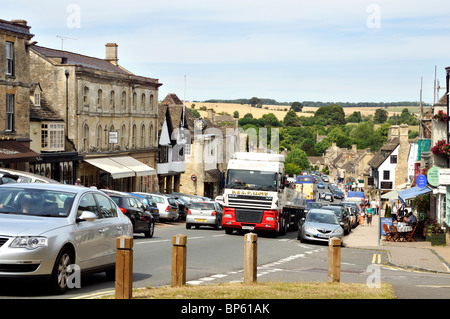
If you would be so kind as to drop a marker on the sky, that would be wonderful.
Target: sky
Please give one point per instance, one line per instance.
(286, 50)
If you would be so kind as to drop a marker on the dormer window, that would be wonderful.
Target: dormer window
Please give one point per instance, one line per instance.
(37, 98)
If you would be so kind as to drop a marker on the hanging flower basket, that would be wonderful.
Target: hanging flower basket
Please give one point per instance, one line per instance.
(441, 148)
(441, 116)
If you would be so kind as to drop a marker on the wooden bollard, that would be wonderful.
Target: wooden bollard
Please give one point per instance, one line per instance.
(250, 257)
(124, 267)
(179, 260)
(334, 260)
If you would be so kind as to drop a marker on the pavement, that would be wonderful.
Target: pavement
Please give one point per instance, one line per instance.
(418, 255)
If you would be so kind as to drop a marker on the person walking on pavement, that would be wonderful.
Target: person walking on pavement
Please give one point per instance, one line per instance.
(369, 212)
(361, 214)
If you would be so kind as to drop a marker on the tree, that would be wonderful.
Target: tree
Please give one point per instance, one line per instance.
(332, 114)
(298, 157)
(255, 102)
(270, 120)
(236, 114)
(291, 119)
(381, 116)
(296, 106)
(355, 117)
(292, 169)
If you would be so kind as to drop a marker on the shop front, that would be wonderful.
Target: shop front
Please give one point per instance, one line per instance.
(123, 173)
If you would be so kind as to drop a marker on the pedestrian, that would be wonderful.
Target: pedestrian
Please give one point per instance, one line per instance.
(369, 213)
(361, 215)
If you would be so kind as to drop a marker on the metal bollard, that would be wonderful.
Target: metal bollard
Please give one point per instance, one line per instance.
(124, 267)
(250, 257)
(334, 260)
(179, 260)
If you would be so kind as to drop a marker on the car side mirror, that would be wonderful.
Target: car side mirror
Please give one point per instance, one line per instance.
(87, 216)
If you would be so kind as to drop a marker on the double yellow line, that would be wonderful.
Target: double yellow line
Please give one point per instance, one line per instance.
(376, 259)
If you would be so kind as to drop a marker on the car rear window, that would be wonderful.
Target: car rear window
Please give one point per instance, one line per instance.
(203, 206)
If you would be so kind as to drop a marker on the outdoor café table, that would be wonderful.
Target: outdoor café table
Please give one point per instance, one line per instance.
(403, 229)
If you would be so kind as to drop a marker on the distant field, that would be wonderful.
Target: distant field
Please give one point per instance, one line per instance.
(280, 110)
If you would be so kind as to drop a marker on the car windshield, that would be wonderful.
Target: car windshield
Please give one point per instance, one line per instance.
(203, 206)
(335, 209)
(321, 218)
(251, 179)
(36, 202)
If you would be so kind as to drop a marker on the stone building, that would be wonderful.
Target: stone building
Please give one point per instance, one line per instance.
(110, 115)
(15, 85)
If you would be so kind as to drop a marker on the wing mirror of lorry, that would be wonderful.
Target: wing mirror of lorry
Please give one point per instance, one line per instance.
(283, 181)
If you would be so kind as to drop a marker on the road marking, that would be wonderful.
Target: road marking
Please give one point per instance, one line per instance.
(432, 286)
(375, 257)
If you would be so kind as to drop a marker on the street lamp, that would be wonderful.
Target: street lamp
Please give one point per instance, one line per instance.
(67, 103)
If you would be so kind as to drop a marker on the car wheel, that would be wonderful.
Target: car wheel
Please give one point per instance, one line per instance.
(188, 226)
(151, 230)
(60, 274)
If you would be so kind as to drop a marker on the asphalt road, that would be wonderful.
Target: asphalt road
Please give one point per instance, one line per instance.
(214, 257)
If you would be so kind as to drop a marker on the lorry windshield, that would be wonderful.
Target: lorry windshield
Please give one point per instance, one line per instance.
(247, 179)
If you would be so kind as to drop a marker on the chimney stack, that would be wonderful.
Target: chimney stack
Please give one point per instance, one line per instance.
(111, 53)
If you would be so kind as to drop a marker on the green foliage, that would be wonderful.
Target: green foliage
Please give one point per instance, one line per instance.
(292, 169)
(291, 119)
(298, 157)
(355, 117)
(381, 116)
(332, 114)
(236, 114)
(296, 106)
(195, 113)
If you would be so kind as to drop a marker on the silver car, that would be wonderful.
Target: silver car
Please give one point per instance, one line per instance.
(168, 207)
(204, 214)
(320, 225)
(45, 228)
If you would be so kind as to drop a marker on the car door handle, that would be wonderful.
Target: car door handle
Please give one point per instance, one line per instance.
(101, 231)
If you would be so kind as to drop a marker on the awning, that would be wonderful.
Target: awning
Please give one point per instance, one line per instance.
(114, 168)
(11, 150)
(413, 192)
(140, 168)
(390, 195)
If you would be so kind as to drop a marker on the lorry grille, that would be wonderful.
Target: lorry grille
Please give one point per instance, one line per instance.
(249, 216)
(249, 202)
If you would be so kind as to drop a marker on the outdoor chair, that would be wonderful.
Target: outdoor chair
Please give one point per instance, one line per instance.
(388, 233)
(394, 233)
(410, 235)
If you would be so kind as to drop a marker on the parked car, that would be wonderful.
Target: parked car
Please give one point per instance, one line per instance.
(321, 185)
(134, 209)
(183, 205)
(153, 208)
(191, 198)
(26, 177)
(168, 207)
(319, 225)
(353, 213)
(342, 215)
(47, 227)
(204, 214)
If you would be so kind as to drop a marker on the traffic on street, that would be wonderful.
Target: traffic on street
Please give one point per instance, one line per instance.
(213, 256)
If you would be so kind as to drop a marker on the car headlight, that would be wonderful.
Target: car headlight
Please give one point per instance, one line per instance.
(308, 228)
(29, 242)
(338, 230)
